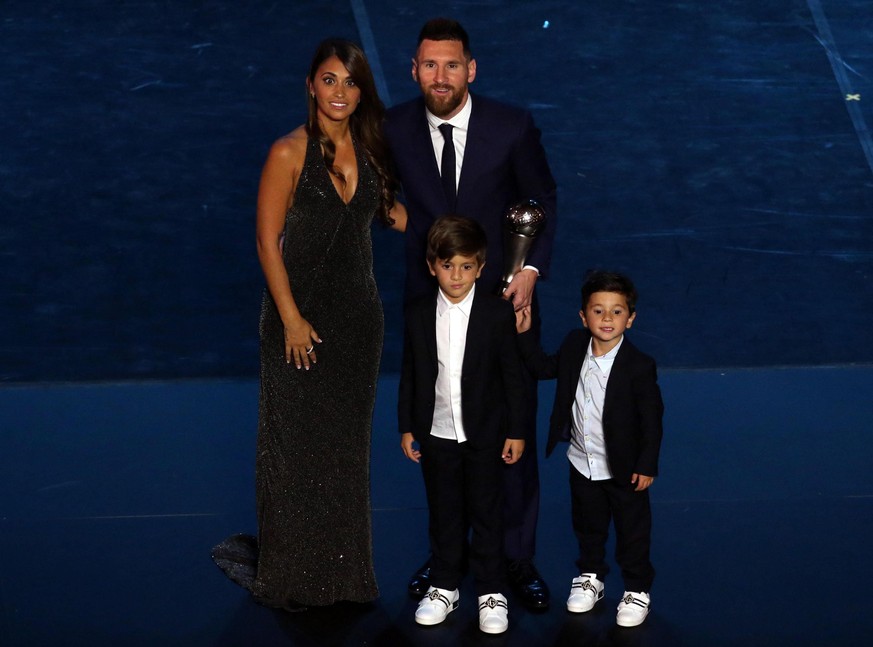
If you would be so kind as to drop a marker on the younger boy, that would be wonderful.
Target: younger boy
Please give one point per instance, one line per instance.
(608, 406)
(462, 399)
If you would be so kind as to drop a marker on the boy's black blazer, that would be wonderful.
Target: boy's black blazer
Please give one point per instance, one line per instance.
(632, 410)
(493, 400)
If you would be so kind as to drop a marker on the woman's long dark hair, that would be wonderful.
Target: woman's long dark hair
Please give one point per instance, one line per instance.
(365, 122)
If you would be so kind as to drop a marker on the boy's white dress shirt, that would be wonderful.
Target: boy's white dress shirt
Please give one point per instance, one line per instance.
(451, 335)
(587, 452)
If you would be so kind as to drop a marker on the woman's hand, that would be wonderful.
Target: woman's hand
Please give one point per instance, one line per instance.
(398, 214)
(300, 341)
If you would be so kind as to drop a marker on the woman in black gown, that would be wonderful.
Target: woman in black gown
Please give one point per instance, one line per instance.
(321, 341)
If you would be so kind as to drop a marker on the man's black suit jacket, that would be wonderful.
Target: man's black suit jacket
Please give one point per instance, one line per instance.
(493, 400)
(504, 163)
(632, 409)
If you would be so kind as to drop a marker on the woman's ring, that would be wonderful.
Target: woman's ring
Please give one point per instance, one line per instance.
(310, 349)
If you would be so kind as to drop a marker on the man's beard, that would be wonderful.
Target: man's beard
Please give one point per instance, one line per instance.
(443, 105)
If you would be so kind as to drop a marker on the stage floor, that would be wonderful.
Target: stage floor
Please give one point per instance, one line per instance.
(114, 493)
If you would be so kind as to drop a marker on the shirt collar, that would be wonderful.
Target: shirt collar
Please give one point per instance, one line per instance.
(466, 304)
(604, 361)
(461, 121)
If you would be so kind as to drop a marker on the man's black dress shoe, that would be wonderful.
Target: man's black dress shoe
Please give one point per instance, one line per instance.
(420, 581)
(527, 584)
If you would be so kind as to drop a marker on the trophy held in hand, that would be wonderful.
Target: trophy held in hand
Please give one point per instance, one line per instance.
(521, 224)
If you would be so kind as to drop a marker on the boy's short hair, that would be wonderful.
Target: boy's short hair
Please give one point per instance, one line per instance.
(453, 235)
(445, 29)
(599, 281)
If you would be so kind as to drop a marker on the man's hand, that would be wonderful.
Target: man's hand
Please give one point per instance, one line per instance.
(521, 289)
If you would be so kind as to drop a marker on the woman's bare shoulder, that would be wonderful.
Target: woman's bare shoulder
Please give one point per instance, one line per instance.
(290, 148)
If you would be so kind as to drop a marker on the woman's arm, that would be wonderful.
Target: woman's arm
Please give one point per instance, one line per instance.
(275, 194)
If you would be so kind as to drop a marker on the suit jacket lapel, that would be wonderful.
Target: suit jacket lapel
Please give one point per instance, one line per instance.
(428, 322)
(476, 146)
(421, 143)
(475, 333)
(421, 140)
(621, 359)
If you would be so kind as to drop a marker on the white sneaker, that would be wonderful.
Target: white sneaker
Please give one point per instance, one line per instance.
(436, 605)
(633, 609)
(493, 613)
(585, 591)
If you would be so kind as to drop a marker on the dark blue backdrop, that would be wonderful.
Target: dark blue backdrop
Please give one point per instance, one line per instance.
(717, 152)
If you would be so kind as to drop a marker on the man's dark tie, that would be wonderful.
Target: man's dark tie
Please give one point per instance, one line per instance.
(447, 165)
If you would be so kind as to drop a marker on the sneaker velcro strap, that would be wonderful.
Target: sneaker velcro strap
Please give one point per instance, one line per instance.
(436, 595)
(629, 599)
(491, 603)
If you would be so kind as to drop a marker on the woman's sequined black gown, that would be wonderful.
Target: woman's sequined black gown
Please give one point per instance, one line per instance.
(313, 452)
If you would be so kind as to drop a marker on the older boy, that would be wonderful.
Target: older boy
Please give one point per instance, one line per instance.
(608, 405)
(462, 399)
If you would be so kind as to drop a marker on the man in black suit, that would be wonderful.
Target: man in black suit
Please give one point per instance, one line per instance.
(457, 152)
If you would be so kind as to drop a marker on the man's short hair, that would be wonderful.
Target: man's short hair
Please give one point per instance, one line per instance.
(445, 29)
